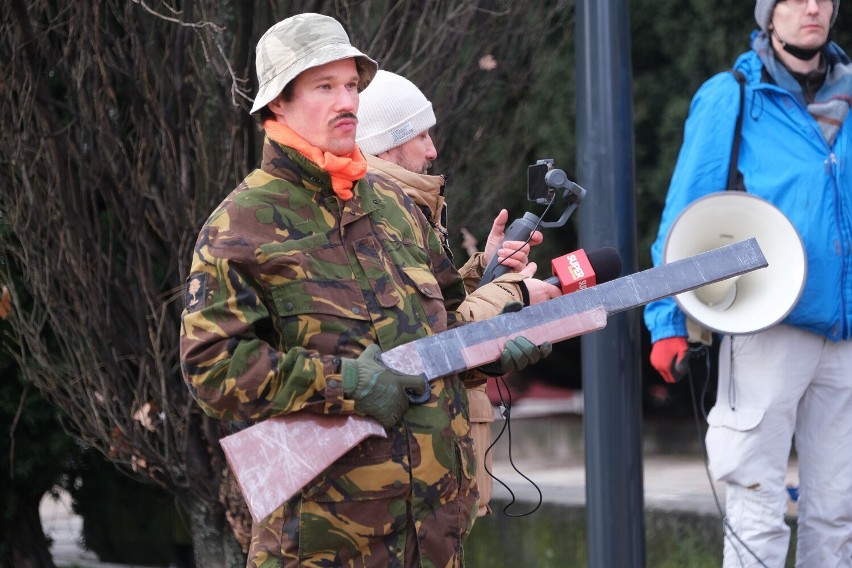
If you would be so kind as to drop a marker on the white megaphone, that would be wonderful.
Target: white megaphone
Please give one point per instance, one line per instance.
(754, 301)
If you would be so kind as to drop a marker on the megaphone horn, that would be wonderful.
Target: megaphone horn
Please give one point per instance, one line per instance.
(757, 300)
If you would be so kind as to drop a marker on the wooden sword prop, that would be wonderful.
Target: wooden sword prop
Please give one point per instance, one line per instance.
(274, 459)
(478, 343)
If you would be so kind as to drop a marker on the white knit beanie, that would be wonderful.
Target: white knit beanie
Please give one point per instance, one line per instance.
(763, 12)
(391, 112)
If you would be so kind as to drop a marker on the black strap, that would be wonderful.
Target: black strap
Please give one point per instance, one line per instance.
(734, 176)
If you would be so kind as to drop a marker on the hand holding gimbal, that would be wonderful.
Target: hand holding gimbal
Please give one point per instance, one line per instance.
(543, 181)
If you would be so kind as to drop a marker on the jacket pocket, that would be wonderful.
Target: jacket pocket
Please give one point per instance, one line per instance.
(743, 419)
(429, 295)
(378, 270)
(468, 491)
(371, 470)
(314, 292)
(733, 449)
(320, 315)
(356, 502)
(313, 257)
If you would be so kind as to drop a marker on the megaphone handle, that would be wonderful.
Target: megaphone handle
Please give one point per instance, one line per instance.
(519, 230)
(680, 367)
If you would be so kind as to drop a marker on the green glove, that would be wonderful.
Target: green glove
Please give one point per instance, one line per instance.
(378, 391)
(518, 352)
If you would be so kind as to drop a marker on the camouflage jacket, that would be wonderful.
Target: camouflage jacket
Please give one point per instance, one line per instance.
(427, 191)
(484, 302)
(285, 281)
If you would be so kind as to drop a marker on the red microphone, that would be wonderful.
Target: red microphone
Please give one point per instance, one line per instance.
(577, 270)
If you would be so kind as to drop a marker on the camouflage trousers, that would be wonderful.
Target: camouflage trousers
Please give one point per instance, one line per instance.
(366, 517)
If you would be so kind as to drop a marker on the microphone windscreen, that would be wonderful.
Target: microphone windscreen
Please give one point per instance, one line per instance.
(606, 262)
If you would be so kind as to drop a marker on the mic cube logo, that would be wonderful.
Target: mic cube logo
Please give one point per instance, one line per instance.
(574, 267)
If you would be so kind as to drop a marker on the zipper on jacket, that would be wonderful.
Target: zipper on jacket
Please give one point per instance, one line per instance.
(831, 170)
(830, 164)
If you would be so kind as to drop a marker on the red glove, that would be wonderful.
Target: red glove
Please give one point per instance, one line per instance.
(666, 355)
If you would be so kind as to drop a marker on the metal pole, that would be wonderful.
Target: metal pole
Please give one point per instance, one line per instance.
(611, 370)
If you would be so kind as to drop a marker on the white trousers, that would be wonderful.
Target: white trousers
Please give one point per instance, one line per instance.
(775, 385)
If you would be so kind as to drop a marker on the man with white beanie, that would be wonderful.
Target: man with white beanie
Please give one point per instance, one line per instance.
(791, 382)
(394, 113)
(394, 119)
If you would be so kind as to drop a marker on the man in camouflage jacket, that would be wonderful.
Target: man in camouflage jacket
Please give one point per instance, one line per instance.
(300, 278)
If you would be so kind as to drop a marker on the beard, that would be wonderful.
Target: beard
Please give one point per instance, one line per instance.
(418, 167)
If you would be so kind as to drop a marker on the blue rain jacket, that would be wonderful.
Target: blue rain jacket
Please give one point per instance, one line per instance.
(784, 159)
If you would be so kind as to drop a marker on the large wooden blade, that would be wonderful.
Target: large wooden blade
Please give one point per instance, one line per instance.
(574, 314)
(262, 453)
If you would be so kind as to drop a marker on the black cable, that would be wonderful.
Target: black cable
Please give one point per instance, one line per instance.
(506, 413)
(727, 529)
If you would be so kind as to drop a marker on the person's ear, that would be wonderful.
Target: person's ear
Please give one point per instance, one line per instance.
(276, 106)
(386, 156)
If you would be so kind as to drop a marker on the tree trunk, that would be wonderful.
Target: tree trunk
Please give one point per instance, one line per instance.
(23, 543)
(213, 541)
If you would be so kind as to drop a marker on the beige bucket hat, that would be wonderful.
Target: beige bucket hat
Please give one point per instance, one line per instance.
(298, 43)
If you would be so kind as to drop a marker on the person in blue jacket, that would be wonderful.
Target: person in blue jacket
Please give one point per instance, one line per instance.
(794, 379)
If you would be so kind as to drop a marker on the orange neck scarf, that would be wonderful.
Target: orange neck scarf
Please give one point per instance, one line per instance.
(344, 170)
